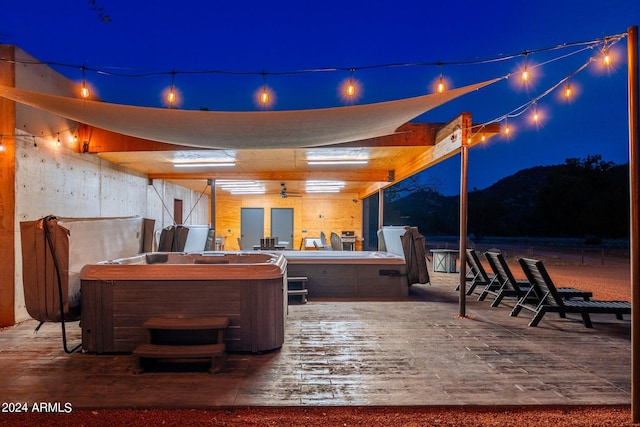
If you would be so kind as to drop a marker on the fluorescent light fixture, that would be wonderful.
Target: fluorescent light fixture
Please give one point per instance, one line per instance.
(203, 165)
(324, 182)
(337, 162)
(231, 186)
(247, 191)
(323, 190)
(314, 186)
(240, 187)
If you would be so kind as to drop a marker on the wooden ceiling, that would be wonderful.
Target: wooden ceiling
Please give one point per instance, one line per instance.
(389, 159)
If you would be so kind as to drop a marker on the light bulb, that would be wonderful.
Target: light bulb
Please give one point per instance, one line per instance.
(84, 91)
(568, 91)
(440, 85)
(483, 138)
(525, 75)
(351, 89)
(171, 96)
(1, 147)
(607, 58)
(264, 96)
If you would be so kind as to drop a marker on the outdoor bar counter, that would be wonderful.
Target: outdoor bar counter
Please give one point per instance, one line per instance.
(118, 296)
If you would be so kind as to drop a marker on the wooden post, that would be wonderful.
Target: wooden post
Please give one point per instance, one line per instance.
(634, 176)
(7, 190)
(464, 151)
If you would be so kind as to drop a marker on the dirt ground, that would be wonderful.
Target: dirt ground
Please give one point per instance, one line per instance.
(336, 416)
(608, 279)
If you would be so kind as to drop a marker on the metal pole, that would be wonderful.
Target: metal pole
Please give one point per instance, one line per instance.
(634, 175)
(464, 148)
(212, 209)
(380, 211)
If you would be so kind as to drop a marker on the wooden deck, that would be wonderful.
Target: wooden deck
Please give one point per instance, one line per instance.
(410, 352)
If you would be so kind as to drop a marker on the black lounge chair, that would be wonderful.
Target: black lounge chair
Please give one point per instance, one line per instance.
(550, 301)
(520, 289)
(476, 275)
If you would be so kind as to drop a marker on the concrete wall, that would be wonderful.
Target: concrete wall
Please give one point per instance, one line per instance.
(56, 180)
(53, 178)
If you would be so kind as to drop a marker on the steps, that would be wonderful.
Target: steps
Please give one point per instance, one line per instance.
(183, 339)
(297, 289)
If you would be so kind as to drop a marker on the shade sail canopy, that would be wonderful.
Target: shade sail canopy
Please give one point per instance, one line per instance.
(246, 129)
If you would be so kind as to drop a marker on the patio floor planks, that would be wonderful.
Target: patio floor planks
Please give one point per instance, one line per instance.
(412, 352)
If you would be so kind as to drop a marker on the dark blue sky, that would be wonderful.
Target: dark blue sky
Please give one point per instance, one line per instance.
(276, 36)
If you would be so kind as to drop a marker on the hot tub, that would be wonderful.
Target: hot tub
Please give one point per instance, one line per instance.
(350, 274)
(248, 288)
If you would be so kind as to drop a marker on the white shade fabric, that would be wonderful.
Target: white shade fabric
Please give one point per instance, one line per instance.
(246, 129)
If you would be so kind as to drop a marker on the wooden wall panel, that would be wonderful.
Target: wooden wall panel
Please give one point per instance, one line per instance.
(8, 232)
(311, 214)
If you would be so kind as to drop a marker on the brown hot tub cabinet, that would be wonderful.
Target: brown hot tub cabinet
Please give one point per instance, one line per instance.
(247, 288)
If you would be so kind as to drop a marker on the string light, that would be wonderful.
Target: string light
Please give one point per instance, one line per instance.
(264, 96)
(536, 116)
(171, 95)
(84, 90)
(351, 88)
(506, 129)
(568, 91)
(606, 57)
(525, 69)
(58, 143)
(440, 88)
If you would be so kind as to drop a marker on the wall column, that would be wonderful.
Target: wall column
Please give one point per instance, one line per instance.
(7, 190)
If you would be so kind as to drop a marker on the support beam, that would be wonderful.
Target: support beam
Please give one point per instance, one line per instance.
(464, 152)
(7, 191)
(103, 141)
(212, 209)
(634, 198)
(380, 211)
(407, 135)
(95, 140)
(363, 175)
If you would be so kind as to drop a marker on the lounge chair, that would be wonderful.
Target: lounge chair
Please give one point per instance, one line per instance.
(519, 289)
(550, 300)
(477, 275)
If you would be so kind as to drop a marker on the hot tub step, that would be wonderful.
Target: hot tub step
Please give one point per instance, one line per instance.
(179, 338)
(214, 352)
(186, 323)
(297, 288)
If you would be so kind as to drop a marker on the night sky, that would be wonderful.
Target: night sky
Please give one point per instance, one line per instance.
(255, 43)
